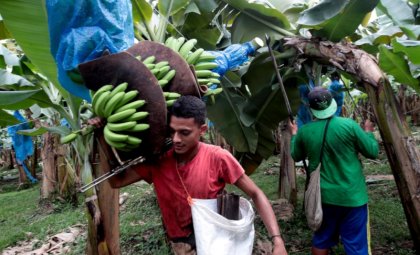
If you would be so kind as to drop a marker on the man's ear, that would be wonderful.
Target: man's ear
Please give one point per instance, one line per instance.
(203, 129)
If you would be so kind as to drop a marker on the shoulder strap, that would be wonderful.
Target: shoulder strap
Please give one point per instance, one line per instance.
(323, 139)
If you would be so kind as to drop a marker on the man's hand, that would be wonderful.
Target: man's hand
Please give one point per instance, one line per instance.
(278, 248)
(368, 126)
(96, 122)
(293, 128)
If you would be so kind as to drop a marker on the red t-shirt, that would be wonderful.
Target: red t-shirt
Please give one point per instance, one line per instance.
(204, 177)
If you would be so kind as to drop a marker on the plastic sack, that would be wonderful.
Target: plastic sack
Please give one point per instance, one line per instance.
(214, 234)
(313, 204)
(233, 56)
(82, 30)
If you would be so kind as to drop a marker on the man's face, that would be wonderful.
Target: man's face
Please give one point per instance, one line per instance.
(185, 134)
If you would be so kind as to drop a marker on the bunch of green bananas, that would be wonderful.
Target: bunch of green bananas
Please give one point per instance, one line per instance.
(122, 115)
(161, 70)
(203, 62)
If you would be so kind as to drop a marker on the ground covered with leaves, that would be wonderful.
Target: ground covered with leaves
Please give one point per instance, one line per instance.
(26, 226)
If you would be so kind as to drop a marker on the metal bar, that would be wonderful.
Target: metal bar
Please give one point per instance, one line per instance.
(111, 173)
(119, 169)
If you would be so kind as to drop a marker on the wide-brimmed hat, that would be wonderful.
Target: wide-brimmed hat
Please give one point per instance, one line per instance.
(322, 103)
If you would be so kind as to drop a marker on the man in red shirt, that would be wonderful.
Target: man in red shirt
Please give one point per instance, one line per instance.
(192, 168)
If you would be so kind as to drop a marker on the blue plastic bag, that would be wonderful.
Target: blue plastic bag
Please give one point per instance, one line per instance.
(22, 144)
(82, 30)
(233, 56)
(336, 89)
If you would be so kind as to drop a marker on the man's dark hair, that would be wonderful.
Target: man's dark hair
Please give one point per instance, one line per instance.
(190, 107)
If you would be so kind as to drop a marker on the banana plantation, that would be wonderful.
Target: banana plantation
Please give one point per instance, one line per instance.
(65, 63)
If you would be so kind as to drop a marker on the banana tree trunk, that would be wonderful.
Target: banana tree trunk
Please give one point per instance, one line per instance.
(102, 205)
(48, 155)
(287, 177)
(403, 155)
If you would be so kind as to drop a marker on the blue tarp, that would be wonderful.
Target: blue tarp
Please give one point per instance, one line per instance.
(82, 30)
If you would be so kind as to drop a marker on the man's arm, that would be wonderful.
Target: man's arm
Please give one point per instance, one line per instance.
(126, 177)
(264, 210)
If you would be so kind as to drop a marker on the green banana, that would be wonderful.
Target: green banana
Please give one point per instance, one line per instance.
(149, 60)
(206, 57)
(169, 75)
(172, 95)
(162, 82)
(214, 74)
(121, 115)
(203, 81)
(170, 42)
(214, 81)
(187, 47)
(139, 127)
(100, 102)
(133, 105)
(163, 71)
(132, 140)
(100, 91)
(217, 91)
(114, 137)
(137, 116)
(121, 126)
(178, 43)
(119, 88)
(68, 138)
(117, 145)
(170, 102)
(213, 92)
(161, 64)
(112, 103)
(203, 73)
(150, 66)
(138, 58)
(127, 98)
(193, 57)
(155, 71)
(205, 66)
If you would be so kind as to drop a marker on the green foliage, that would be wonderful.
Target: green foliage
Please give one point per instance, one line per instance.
(27, 22)
(333, 20)
(396, 65)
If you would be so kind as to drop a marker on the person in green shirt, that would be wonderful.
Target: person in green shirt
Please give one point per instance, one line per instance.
(343, 188)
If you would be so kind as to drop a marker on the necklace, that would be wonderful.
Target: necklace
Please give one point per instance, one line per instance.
(189, 199)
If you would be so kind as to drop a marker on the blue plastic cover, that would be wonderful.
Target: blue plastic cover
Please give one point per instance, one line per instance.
(336, 89)
(22, 144)
(231, 57)
(81, 30)
(304, 115)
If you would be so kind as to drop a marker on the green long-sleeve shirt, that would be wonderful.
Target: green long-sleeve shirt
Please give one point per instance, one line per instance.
(342, 180)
